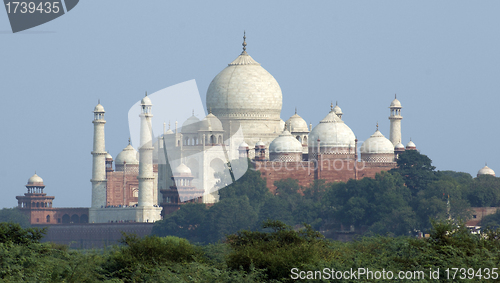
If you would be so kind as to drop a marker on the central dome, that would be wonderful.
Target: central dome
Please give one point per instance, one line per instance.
(244, 90)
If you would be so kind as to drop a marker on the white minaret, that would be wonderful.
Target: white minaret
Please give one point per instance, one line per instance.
(98, 163)
(146, 177)
(395, 119)
(147, 212)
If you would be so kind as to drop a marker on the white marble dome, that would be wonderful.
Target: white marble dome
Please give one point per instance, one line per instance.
(486, 171)
(399, 146)
(296, 124)
(182, 170)
(211, 123)
(377, 143)
(243, 145)
(337, 110)
(35, 179)
(285, 143)
(411, 145)
(260, 143)
(245, 90)
(108, 156)
(146, 101)
(99, 108)
(127, 155)
(332, 132)
(191, 125)
(395, 103)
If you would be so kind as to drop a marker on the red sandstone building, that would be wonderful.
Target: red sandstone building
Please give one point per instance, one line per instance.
(38, 206)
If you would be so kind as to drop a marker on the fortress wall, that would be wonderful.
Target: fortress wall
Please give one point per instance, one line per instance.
(308, 171)
(87, 236)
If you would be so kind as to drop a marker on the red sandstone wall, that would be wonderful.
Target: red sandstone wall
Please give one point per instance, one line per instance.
(308, 171)
(478, 213)
(115, 193)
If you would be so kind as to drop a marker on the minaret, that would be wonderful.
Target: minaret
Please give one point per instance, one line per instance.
(395, 118)
(98, 160)
(146, 177)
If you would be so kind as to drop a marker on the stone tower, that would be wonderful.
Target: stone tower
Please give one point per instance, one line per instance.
(98, 163)
(395, 118)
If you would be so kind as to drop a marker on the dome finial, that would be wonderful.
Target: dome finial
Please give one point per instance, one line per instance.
(169, 124)
(99, 101)
(295, 110)
(146, 93)
(336, 103)
(244, 43)
(129, 140)
(331, 106)
(210, 110)
(193, 112)
(377, 125)
(395, 96)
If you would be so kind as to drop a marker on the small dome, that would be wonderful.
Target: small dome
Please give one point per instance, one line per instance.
(395, 103)
(182, 170)
(99, 108)
(243, 145)
(411, 145)
(337, 110)
(127, 155)
(377, 143)
(35, 179)
(211, 123)
(399, 147)
(332, 132)
(108, 156)
(191, 125)
(146, 101)
(296, 124)
(486, 171)
(168, 132)
(285, 143)
(260, 143)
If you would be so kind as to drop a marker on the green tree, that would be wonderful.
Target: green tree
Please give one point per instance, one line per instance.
(15, 234)
(484, 191)
(187, 222)
(250, 185)
(14, 215)
(228, 216)
(277, 251)
(416, 170)
(372, 202)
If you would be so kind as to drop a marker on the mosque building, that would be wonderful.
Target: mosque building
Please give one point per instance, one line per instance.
(184, 164)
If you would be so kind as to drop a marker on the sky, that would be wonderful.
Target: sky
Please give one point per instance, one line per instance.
(440, 57)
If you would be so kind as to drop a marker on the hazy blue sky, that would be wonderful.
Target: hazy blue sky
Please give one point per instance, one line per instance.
(441, 57)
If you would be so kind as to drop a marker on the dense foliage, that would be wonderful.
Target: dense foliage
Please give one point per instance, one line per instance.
(402, 201)
(277, 253)
(251, 235)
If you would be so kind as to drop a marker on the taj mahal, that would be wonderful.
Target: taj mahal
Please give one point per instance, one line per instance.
(244, 103)
(149, 180)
